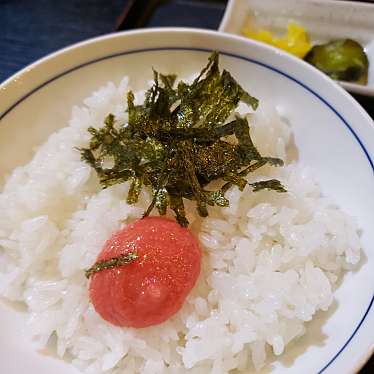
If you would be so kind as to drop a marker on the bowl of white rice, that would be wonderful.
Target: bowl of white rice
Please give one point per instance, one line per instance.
(286, 281)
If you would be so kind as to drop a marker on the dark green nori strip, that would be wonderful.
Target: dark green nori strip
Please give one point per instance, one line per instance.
(111, 263)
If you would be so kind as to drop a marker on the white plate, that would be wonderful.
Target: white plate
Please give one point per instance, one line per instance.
(334, 135)
(324, 20)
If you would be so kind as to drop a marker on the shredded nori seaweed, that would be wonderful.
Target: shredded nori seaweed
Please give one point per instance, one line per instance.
(176, 143)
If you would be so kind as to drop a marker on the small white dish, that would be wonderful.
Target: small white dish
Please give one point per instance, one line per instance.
(324, 20)
(334, 135)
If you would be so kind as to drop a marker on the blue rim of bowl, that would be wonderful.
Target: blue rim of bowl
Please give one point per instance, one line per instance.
(253, 61)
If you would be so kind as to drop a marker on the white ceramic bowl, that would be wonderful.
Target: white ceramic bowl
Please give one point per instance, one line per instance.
(334, 136)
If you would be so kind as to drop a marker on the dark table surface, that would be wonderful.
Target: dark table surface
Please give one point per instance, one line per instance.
(30, 29)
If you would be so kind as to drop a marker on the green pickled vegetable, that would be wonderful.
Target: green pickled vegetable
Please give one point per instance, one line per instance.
(343, 60)
(176, 144)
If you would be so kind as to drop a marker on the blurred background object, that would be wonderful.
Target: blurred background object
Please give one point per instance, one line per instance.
(30, 29)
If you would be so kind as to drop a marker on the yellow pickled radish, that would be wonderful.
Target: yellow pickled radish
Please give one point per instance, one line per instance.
(296, 41)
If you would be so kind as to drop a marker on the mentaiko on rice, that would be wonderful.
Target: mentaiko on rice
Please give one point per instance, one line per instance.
(270, 261)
